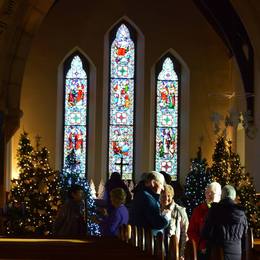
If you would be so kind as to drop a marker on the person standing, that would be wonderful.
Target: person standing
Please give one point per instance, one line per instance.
(179, 220)
(111, 222)
(145, 209)
(212, 194)
(70, 220)
(115, 181)
(226, 226)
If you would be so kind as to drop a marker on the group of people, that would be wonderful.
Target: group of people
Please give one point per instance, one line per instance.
(217, 223)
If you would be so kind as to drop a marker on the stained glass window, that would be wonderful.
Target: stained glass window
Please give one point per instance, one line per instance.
(122, 96)
(75, 112)
(166, 157)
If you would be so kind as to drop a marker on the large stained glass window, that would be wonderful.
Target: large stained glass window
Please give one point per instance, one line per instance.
(75, 112)
(122, 96)
(166, 156)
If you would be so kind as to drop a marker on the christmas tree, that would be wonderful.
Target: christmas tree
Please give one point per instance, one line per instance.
(227, 162)
(70, 176)
(196, 181)
(33, 201)
(220, 168)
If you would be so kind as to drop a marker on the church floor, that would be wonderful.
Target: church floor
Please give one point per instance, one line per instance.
(88, 248)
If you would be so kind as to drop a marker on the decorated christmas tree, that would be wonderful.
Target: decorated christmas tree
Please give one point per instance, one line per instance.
(196, 181)
(220, 168)
(70, 176)
(227, 162)
(34, 200)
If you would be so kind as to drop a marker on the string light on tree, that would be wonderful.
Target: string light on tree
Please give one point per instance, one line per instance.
(226, 169)
(196, 181)
(29, 208)
(70, 176)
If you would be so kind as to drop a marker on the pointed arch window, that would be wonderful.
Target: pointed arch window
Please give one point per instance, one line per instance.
(122, 100)
(75, 110)
(167, 116)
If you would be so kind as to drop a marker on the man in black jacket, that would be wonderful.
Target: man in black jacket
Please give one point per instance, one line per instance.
(145, 209)
(226, 226)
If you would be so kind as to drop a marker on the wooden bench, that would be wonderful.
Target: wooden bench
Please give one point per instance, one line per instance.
(141, 238)
(159, 246)
(190, 252)
(149, 242)
(173, 248)
(134, 236)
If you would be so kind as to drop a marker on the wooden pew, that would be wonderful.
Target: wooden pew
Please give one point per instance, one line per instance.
(159, 246)
(125, 233)
(121, 233)
(190, 252)
(81, 248)
(134, 236)
(141, 238)
(128, 232)
(173, 248)
(149, 242)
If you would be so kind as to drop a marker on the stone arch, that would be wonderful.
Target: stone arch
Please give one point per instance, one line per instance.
(21, 21)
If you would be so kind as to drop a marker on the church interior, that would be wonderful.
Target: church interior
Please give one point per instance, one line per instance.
(190, 76)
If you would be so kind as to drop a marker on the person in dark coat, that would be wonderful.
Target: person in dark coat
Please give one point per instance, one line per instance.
(70, 221)
(145, 209)
(110, 223)
(226, 226)
(114, 182)
(140, 185)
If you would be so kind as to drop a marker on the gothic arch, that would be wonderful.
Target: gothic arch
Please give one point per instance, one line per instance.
(139, 96)
(91, 124)
(184, 90)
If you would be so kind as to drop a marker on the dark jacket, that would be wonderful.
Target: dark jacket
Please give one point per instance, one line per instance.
(226, 227)
(70, 220)
(145, 211)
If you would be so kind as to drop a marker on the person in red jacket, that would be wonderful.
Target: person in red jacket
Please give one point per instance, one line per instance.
(212, 194)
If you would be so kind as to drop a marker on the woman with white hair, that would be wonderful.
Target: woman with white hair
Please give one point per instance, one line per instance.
(212, 194)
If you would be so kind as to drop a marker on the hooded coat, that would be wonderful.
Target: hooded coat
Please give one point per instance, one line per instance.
(226, 227)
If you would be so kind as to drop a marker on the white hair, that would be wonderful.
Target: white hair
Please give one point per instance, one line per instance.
(228, 191)
(215, 187)
(153, 175)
